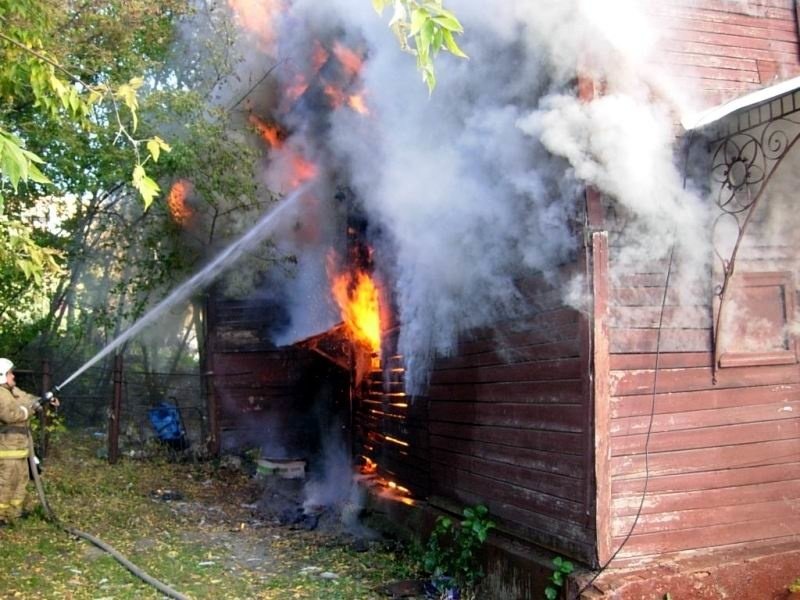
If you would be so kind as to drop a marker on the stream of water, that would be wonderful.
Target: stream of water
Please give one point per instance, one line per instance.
(229, 255)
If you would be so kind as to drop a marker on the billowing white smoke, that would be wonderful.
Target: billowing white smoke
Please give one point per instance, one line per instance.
(475, 185)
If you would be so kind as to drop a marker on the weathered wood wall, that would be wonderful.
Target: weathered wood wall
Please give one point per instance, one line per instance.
(720, 461)
(508, 420)
(725, 48)
(276, 398)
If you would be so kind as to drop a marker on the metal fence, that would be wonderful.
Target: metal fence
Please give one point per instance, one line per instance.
(89, 404)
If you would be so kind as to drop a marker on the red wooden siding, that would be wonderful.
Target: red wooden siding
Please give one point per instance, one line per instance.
(723, 49)
(508, 425)
(723, 457)
(266, 396)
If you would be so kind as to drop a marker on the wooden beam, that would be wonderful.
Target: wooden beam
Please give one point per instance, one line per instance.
(601, 395)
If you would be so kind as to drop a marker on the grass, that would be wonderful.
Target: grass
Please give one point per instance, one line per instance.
(207, 545)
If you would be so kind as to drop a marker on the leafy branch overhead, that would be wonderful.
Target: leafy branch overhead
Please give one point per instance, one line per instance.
(71, 81)
(71, 97)
(424, 28)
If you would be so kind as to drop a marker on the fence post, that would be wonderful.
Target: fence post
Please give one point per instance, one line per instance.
(213, 445)
(114, 413)
(47, 380)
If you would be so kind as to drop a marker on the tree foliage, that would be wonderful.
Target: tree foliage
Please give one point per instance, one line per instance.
(66, 84)
(60, 82)
(110, 256)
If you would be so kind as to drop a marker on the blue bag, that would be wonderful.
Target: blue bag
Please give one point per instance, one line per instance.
(166, 420)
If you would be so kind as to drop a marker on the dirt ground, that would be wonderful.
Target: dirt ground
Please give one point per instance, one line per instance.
(199, 527)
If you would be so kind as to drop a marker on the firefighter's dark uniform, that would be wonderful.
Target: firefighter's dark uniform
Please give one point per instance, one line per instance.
(16, 407)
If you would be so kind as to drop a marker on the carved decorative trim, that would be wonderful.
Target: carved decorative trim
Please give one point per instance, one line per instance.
(743, 162)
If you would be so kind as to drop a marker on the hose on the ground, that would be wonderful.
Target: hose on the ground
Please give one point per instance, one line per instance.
(51, 517)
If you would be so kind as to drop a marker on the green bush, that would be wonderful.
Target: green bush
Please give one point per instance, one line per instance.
(452, 549)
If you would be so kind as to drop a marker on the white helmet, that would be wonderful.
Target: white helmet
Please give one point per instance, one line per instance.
(5, 366)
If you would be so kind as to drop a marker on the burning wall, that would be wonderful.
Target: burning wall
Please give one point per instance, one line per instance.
(476, 186)
(472, 191)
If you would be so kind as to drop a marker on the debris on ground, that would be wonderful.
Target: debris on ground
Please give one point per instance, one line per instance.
(199, 528)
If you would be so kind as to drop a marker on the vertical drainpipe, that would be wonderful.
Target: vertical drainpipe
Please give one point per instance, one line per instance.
(114, 413)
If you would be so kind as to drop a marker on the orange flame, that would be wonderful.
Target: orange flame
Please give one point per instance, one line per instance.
(357, 103)
(339, 98)
(258, 17)
(319, 56)
(336, 96)
(350, 60)
(358, 300)
(294, 90)
(269, 132)
(302, 170)
(370, 467)
(299, 83)
(176, 201)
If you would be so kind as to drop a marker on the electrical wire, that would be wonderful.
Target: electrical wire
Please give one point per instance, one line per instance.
(602, 569)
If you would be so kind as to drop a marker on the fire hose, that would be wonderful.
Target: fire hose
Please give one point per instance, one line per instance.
(52, 518)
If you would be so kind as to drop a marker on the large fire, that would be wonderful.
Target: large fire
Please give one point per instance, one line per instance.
(359, 302)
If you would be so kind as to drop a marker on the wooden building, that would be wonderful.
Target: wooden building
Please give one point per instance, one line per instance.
(651, 439)
(654, 437)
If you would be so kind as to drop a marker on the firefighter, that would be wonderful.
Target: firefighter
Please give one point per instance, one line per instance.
(16, 407)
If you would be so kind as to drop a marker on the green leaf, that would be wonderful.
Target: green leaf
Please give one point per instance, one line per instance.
(550, 593)
(31, 156)
(154, 149)
(418, 18)
(34, 174)
(94, 97)
(448, 22)
(452, 46)
(127, 93)
(13, 163)
(74, 101)
(437, 41)
(426, 34)
(428, 76)
(26, 267)
(148, 189)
